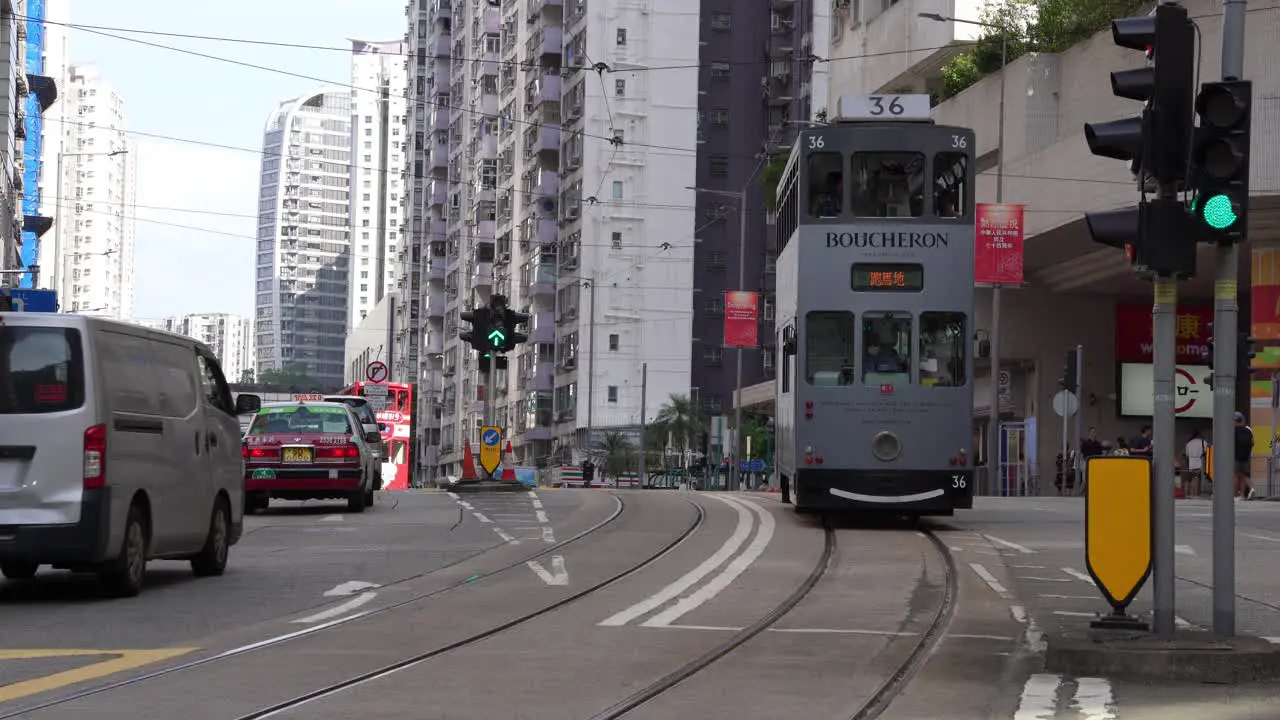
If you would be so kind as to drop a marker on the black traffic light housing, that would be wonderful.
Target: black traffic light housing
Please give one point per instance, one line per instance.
(1154, 234)
(1246, 352)
(484, 357)
(512, 319)
(481, 321)
(1069, 372)
(588, 472)
(1220, 161)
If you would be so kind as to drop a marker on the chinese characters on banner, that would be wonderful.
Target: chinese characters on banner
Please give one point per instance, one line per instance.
(1134, 343)
(741, 319)
(997, 251)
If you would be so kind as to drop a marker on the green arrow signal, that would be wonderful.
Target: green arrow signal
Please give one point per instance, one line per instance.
(497, 338)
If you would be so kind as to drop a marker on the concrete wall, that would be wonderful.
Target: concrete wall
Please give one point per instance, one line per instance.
(370, 340)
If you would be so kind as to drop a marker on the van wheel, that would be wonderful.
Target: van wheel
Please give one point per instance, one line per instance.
(123, 576)
(19, 569)
(212, 559)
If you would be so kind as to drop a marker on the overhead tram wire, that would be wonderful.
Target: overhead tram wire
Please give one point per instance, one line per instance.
(624, 203)
(504, 63)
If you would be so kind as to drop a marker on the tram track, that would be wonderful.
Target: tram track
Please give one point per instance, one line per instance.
(893, 685)
(516, 565)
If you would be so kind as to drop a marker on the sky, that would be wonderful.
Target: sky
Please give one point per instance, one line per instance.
(208, 265)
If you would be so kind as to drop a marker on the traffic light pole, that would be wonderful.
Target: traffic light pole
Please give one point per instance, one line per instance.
(995, 476)
(1225, 321)
(1163, 443)
(490, 384)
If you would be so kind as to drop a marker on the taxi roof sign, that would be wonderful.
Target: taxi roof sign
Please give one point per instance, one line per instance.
(1118, 527)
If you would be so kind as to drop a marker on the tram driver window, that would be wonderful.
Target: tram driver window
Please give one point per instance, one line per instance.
(829, 348)
(888, 184)
(826, 184)
(886, 348)
(943, 340)
(950, 184)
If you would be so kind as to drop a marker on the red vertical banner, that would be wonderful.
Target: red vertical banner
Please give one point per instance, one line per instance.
(741, 319)
(998, 244)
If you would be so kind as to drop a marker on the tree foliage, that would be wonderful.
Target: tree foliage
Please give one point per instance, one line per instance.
(295, 377)
(770, 174)
(1031, 25)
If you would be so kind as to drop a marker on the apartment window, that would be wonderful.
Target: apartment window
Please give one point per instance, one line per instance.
(713, 356)
(613, 393)
(720, 117)
(620, 87)
(622, 37)
(617, 189)
(368, 118)
(368, 158)
(616, 241)
(718, 165)
(614, 342)
(716, 260)
(364, 288)
(368, 197)
(721, 21)
(368, 132)
(715, 306)
(492, 43)
(720, 71)
(364, 275)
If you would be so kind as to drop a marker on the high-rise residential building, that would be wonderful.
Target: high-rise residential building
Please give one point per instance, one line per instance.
(47, 75)
(94, 234)
(748, 112)
(377, 148)
(229, 336)
(551, 167)
(304, 237)
(13, 92)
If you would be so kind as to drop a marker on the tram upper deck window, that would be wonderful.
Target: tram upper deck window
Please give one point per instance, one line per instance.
(943, 340)
(829, 348)
(826, 184)
(886, 348)
(888, 184)
(950, 184)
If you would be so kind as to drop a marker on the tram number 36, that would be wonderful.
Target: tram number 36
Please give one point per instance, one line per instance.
(958, 482)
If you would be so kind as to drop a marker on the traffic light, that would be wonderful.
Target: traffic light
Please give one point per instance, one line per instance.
(510, 320)
(1246, 353)
(588, 472)
(481, 320)
(485, 357)
(496, 336)
(1153, 234)
(1220, 160)
(1069, 372)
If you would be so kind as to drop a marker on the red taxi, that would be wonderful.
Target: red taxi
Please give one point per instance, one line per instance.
(308, 451)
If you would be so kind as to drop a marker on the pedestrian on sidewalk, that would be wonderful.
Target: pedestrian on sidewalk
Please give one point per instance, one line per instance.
(1195, 451)
(1243, 456)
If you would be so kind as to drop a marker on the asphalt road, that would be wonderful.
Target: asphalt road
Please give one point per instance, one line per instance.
(582, 604)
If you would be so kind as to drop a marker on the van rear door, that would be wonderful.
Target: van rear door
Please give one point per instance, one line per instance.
(43, 422)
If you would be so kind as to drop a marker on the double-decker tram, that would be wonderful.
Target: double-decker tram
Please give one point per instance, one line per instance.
(874, 390)
(396, 416)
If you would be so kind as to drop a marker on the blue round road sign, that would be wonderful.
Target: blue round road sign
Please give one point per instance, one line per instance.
(490, 437)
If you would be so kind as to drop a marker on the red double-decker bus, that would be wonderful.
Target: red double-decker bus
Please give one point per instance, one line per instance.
(397, 434)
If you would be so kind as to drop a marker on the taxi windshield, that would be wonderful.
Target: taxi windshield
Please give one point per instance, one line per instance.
(301, 419)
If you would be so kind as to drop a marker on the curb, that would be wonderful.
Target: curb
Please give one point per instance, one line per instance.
(1191, 656)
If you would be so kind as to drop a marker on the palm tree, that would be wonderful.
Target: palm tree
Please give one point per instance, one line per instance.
(614, 454)
(683, 422)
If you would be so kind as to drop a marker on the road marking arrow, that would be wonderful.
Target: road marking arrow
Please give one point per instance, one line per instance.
(558, 575)
(351, 587)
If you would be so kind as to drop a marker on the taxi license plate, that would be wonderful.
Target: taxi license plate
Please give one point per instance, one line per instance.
(297, 455)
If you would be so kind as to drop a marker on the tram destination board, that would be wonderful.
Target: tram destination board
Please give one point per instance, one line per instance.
(888, 277)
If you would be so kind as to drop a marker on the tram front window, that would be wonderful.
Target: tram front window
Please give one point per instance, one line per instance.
(886, 348)
(950, 184)
(942, 345)
(888, 184)
(826, 184)
(829, 348)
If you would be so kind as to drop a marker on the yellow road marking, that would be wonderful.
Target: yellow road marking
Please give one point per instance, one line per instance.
(121, 661)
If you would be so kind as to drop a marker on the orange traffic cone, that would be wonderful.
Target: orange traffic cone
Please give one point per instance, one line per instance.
(468, 463)
(508, 466)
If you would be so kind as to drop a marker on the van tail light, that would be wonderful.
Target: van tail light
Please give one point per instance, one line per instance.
(95, 457)
(347, 454)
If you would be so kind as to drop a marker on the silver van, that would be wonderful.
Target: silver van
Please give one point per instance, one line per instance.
(158, 475)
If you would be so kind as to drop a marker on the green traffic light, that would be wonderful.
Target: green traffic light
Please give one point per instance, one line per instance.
(497, 338)
(1218, 212)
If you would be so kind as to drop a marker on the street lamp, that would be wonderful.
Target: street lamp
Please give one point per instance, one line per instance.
(57, 213)
(741, 196)
(993, 434)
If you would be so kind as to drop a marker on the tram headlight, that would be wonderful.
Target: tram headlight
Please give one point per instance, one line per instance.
(886, 446)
